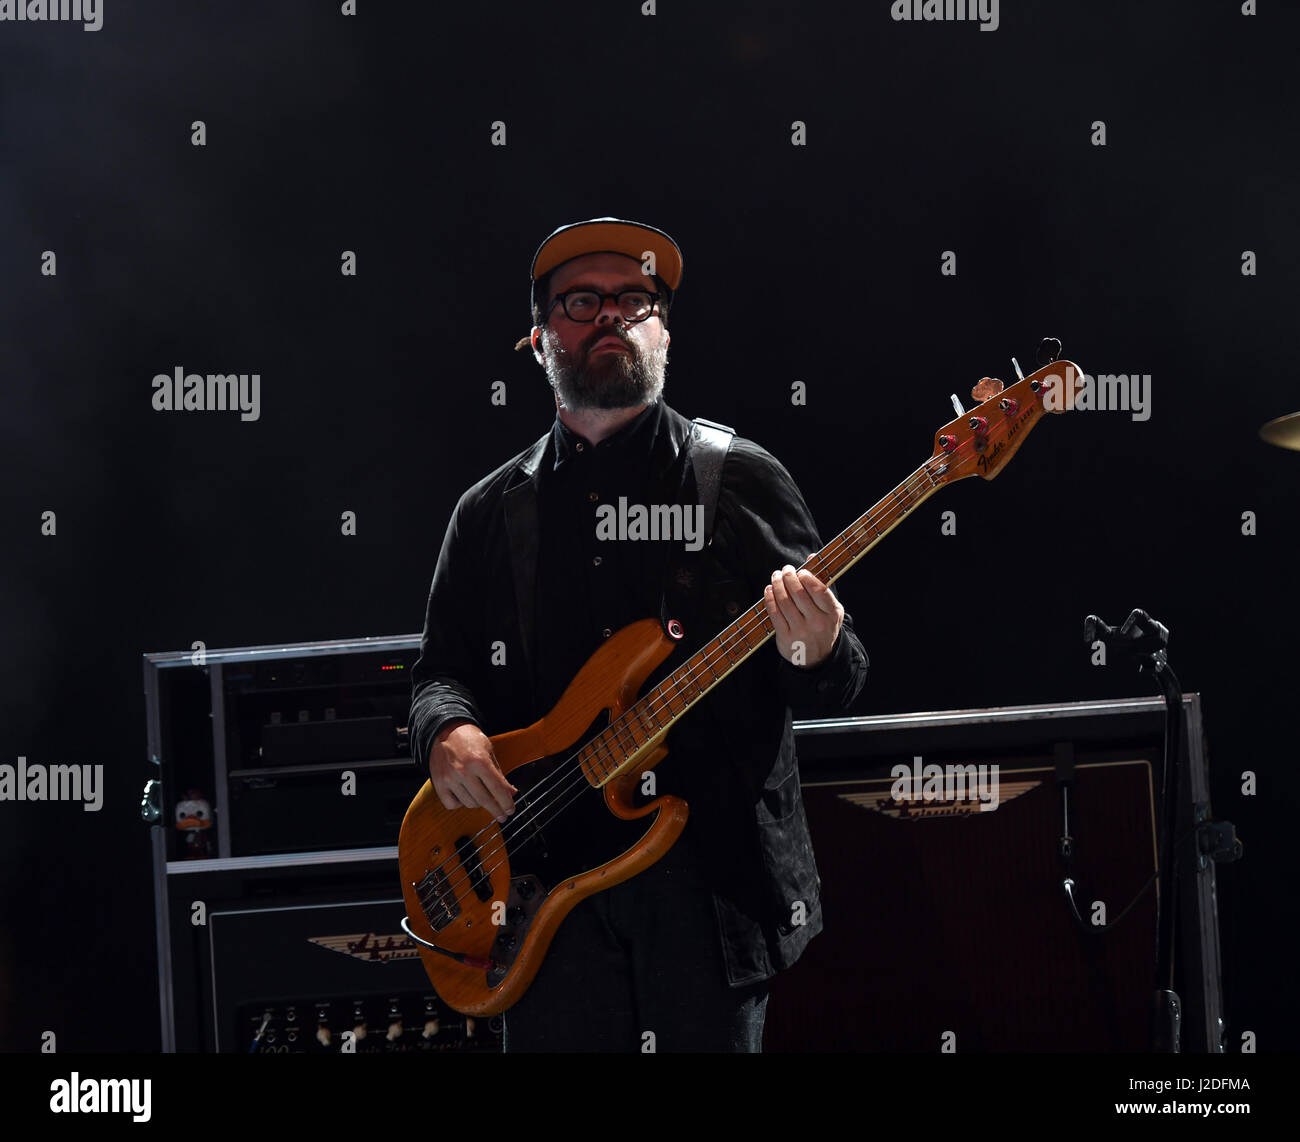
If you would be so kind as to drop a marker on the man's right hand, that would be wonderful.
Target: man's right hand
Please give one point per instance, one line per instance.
(465, 773)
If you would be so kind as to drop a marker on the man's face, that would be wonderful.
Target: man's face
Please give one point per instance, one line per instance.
(606, 363)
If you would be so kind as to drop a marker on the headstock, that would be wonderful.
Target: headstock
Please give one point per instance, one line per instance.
(981, 442)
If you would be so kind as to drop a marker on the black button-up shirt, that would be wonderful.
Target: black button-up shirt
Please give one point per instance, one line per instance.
(589, 587)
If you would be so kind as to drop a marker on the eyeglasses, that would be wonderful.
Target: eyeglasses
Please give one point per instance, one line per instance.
(584, 305)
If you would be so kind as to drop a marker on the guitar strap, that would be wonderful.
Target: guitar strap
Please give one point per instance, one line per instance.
(708, 445)
(706, 450)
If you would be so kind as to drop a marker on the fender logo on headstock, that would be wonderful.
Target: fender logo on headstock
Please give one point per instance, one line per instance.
(988, 456)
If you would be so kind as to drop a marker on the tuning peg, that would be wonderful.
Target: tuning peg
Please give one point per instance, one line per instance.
(986, 389)
(956, 404)
(1016, 365)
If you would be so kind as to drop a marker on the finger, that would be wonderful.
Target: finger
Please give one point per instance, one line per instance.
(497, 780)
(473, 795)
(448, 796)
(779, 622)
(493, 755)
(818, 592)
(794, 589)
(492, 791)
(781, 594)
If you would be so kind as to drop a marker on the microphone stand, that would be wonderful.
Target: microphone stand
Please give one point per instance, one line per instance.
(1143, 638)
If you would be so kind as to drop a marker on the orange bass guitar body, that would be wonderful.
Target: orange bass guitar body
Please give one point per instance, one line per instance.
(492, 896)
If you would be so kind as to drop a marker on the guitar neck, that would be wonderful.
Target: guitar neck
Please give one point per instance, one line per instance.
(618, 748)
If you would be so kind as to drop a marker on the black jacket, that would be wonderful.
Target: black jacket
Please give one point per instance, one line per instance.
(731, 756)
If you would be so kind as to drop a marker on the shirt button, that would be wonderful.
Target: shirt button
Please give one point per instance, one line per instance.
(579, 446)
(597, 561)
(592, 497)
(606, 633)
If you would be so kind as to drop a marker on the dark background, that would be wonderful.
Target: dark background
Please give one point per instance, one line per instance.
(817, 263)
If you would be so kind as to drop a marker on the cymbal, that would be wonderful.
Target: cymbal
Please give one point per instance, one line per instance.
(1284, 432)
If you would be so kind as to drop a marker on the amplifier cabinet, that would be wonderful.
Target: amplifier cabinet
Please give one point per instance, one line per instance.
(946, 924)
(297, 954)
(282, 777)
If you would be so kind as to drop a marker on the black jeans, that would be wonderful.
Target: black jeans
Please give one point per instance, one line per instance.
(639, 968)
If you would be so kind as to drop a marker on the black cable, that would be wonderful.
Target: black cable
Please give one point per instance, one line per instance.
(1100, 929)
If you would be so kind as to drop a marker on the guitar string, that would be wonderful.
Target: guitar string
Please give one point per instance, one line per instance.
(574, 776)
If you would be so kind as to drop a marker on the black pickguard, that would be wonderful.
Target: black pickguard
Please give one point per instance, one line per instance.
(555, 844)
(549, 845)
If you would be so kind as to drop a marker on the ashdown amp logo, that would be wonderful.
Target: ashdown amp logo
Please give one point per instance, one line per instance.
(945, 792)
(371, 948)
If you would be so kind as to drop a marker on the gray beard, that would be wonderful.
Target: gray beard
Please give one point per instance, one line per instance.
(613, 380)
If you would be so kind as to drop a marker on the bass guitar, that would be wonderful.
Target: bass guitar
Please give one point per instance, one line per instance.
(483, 899)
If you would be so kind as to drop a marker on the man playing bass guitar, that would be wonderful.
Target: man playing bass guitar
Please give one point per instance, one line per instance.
(549, 555)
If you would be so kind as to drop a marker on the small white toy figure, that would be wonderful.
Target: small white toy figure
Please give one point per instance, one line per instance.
(194, 819)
